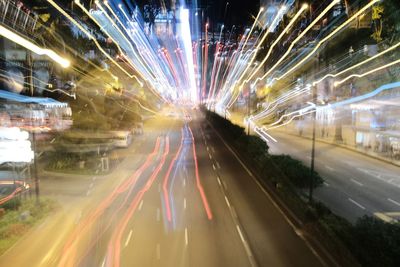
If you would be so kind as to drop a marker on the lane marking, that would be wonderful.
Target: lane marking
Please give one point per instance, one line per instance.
(329, 168)
(240, 233)
(218, 166)
(357, 204)
(186, 237)
(208, 149)
(184, 182)
(158, 251)
(91, 185)
(140, 205)
(227, 202)
(104, 262)
(356, 182)
(271, 199)
(184, 203)
(128, 238)
(394, 202)
(212, 149)
(214, 168)
(219, 181)
(210, 155)
(325, 183)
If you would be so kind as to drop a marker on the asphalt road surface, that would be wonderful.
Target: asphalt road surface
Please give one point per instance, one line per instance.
(180, 197)
(356, 184)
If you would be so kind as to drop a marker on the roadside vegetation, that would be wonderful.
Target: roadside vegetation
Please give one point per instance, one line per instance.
(18, 216)
(368, 242)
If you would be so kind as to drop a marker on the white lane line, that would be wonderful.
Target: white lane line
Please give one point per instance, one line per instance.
(94, 178)
(270, 198)
(329, 168)
(88, 193)
(52, 140)
(356, 182)
(219, 181)
(158, 251)
(128, 238)
(246, 246)
(184, 182)
(208, 149)
(394, 202)
(227, 202)
(325, 183)
(158, 214)
(214, 168)
(184, 203)
(209, 155)
(213, 150)
(218, 166)
(357, 204)
(104, 262)
(186, 237)
(91, 185)
(140, 205)
(240, 233)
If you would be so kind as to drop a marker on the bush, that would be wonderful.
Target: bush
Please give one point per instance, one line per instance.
(376, 243)
(296, 171)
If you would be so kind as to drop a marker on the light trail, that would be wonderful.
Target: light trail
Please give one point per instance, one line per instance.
(367, 73)
(198, 182)
(344, 24)
(68, 256)
(10, 35)
(167, 175)
(91, 37)
(357, 65)
(114, 247)
(252, 27)
(285, 31)
(298, 38)
(270, 29)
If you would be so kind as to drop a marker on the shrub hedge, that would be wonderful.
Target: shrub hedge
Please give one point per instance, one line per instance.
(369, 242)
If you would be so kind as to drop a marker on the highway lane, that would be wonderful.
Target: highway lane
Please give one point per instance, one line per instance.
(190, 238)
(77, 201)
(355, 184)
(271, 238)
(219, 217)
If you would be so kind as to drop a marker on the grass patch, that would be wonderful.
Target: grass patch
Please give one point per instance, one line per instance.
(15, 223)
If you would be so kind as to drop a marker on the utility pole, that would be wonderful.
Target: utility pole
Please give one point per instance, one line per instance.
(31, 89)
(248, 111)
(310, 196)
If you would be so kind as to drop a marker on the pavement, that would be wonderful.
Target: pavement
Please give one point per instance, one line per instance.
(355, 184)
(179, 198)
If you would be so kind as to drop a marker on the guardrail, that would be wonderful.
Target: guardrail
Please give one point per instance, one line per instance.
(16, 17)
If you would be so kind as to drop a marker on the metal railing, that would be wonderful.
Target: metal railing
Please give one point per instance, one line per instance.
(14, 16)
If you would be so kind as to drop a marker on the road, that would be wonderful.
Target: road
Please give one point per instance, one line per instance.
(179, 198)
(356, 184)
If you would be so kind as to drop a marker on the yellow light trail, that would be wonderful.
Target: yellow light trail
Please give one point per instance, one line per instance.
(90, 36)
(357, 65)
(293, 20)
(124, 37)
(278, 15)
(367, 73)
(344, 24)
(77, 2)
(252, 27)
(65, 63)
(320, 16)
